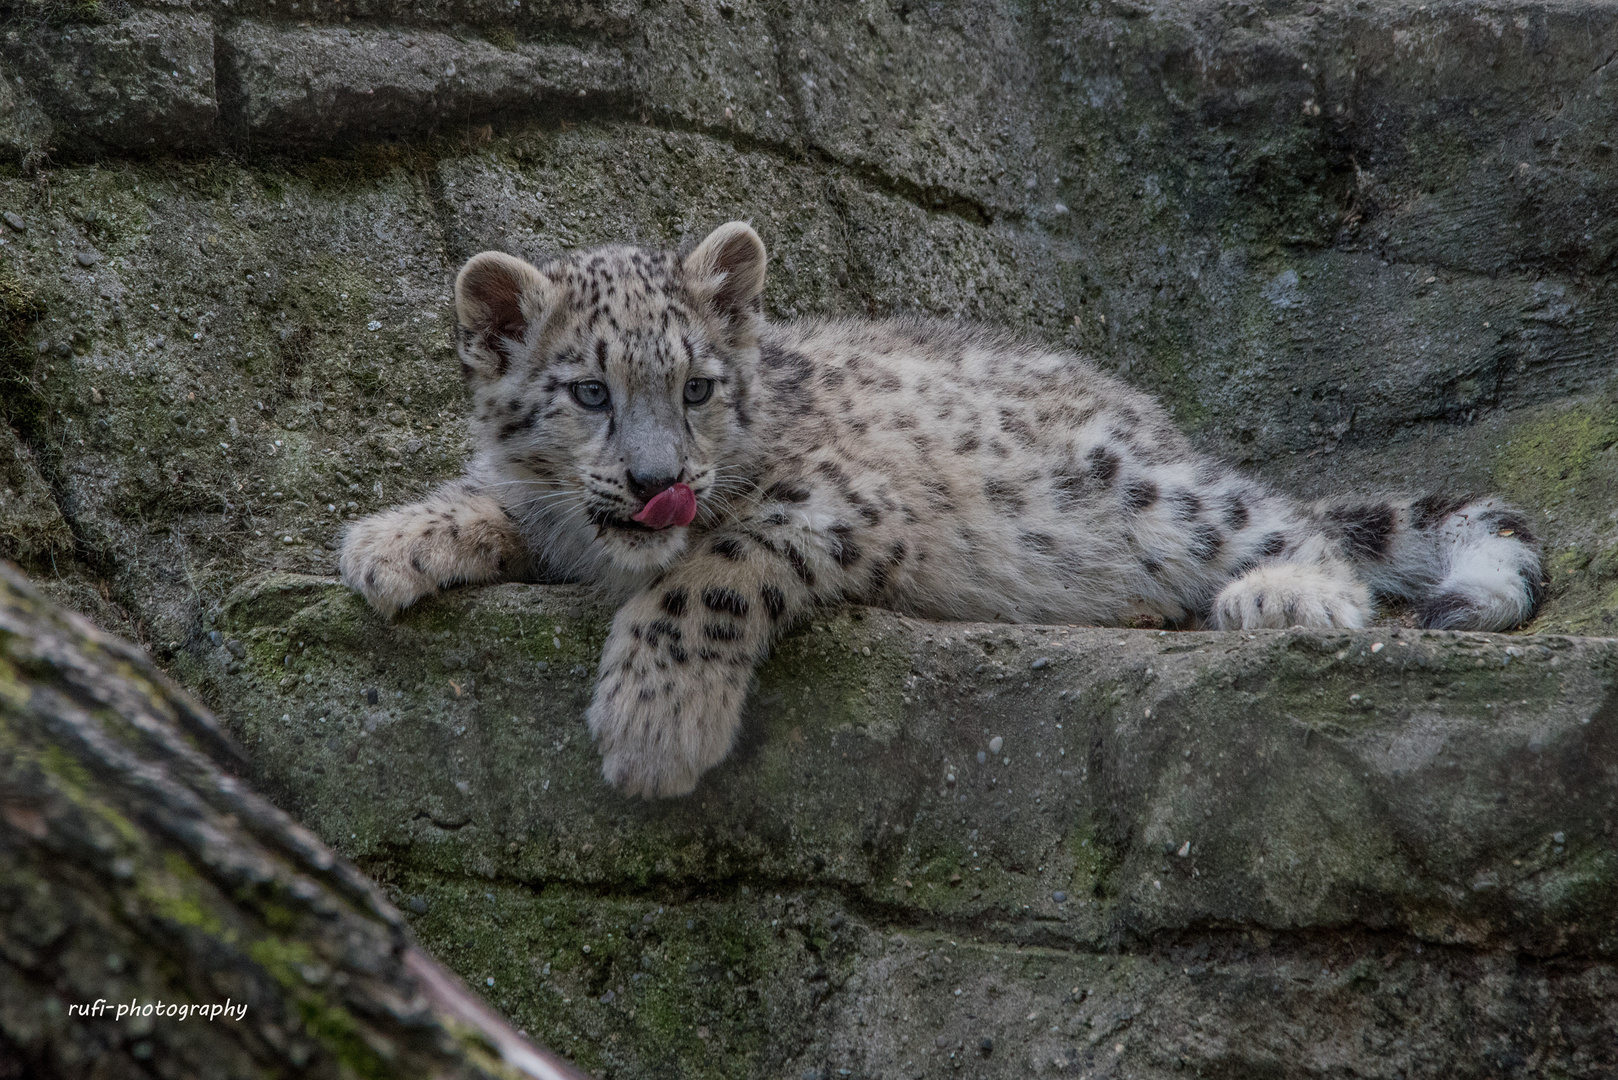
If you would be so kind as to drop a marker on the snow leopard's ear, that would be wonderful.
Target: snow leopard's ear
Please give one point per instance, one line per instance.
(500, 302)
(727, 271)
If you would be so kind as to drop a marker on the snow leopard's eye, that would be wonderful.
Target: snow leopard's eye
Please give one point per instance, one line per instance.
(698, 390)
(591, 394)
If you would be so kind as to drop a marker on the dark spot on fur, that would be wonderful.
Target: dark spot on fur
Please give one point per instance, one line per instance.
(1104, 465)
(1069, 487)
(522, 423)
(1138, 495)
(1206, 542)
(726, 600)
(786, 492)
(1004, 494)
(1017, 427)
(1272, 545)
(938, 494)
(674, 602)
(1366, 530)
(678, 654)
(844, 549)
(1187, 505)
(729, 547)
(658, 629)
(1151, 565)
(1043, 543)
(775, 602)
(1444, 611)
(1500, 521)
(1236, 515)
(833, 472)
(881, 571)
(800, 566)
(721, 631)
(1432, 510)
(967, 443)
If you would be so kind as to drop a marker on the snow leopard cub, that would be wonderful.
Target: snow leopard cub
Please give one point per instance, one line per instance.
(638, 424)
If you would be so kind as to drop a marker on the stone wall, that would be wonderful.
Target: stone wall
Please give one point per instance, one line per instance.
(1351, 244)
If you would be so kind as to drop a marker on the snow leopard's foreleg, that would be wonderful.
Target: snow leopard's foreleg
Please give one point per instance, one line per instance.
(1309, 585)
(680, 657)
(457, 535)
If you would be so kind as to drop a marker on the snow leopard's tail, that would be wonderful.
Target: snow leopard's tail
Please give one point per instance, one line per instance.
(1468, 563)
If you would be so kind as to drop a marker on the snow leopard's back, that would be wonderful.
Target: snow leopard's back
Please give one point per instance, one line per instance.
(1020, 483)
(966, 474)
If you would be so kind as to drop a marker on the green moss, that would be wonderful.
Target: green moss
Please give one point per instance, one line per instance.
(314, 296)
(364, 167)
(1169, 343)
(296, 967)
(1093, 863)
(14, 688)
(24, 13)
(1583, 880)
(102, 202)
(714, 988)
(1439, 156)
(67, 771)
(835, 673)
(1565, 565)
(277, 916)
(179, 894)
(283, 959)
(340, 1033)
(272, 600)
(1544, 460)
(21, 403)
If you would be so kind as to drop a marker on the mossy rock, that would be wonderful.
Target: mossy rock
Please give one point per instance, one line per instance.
(1252, 797)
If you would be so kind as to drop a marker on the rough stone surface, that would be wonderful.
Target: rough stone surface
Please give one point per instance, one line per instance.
(313, 86)
(1322, 825)
(1352, 245)
(31, 527)
(145, 83)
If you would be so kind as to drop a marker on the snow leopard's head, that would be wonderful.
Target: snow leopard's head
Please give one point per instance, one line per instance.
(601, 379)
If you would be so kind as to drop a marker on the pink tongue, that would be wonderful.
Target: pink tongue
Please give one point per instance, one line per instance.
(674, 505)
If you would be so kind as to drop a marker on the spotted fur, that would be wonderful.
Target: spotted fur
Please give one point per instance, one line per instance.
(938, 469)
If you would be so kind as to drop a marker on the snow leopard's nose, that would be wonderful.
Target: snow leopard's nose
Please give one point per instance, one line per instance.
(645, 485)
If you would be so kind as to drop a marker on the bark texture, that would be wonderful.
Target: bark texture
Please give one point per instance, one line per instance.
(136, 868)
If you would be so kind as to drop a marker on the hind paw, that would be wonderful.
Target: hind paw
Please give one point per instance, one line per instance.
(1279, 596)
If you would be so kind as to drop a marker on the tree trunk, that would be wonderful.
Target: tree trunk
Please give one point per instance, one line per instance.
(140, 880)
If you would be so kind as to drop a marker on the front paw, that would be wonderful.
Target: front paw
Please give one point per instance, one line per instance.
(1283, 595)
(381, 562)
(659, 730)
